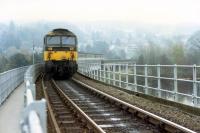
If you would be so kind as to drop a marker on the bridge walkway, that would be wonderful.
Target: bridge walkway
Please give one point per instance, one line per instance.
(11, 110)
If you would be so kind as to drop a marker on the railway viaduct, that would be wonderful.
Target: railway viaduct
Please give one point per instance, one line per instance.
(104, 96)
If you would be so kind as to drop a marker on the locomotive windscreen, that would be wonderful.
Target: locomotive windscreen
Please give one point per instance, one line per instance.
(68, 40)
(65, 40)
(53, 41)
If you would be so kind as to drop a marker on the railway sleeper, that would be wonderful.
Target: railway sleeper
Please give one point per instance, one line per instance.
(118, 104)
(75, 129)
(125, 108)
(141, 115)
(161, 126)
(170, 129)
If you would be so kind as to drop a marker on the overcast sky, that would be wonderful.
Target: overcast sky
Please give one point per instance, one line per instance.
(145, 11)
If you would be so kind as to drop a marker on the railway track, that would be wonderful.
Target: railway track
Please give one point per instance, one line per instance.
(62, 117)
(75, 104)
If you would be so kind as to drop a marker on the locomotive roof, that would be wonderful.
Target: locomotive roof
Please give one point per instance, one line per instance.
(60, 31)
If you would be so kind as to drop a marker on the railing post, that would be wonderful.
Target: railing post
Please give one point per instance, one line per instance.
(97, 71)
(86, 69)
(158, 80)
(135, 77)
(114, 82)
(194, 94)
(146, 79)
(127, 75)
(120, 78)
(175, 83)
(90, 70)
(100, 72)
(109, 74)
(93, 71)
(104, 73)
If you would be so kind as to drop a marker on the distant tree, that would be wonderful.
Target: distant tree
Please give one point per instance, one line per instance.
(192, 57)
(101, 46)
(178, 55)
(3, 62)
(153, 54)
(140, 60)
(122, 54)
(164, 60)
(193, 49)
(10, 37)
(193, 42)
(18, 60)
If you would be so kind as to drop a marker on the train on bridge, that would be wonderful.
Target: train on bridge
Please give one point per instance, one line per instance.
(60, 53)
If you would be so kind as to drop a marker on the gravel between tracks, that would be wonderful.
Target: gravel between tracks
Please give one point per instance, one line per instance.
(169, 112)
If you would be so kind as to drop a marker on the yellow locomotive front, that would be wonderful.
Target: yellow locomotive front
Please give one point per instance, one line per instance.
(60, 53)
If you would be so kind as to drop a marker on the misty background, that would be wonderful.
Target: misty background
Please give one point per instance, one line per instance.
(145, 44)
(148, 32)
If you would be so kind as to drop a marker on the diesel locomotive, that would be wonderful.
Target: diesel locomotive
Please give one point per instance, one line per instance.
(60, 53)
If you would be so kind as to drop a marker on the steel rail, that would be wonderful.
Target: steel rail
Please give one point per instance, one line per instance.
(55, 124)
(86, 117)
(146, 113)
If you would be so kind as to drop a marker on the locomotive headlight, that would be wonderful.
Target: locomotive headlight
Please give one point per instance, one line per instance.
(50, 48)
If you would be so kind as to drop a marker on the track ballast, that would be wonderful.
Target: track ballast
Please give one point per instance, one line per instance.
(94, 111)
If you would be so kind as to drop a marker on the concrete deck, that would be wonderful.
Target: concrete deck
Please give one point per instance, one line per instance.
(10, 111)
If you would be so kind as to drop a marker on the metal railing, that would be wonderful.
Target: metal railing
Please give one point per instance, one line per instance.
(9, 80)
(34, 114)
(89, 56)
(179, 83)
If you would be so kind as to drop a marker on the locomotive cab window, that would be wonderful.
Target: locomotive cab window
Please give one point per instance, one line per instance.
(53, 40)
(68, 40)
